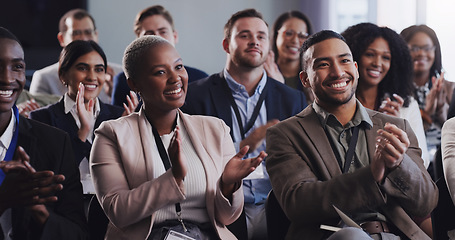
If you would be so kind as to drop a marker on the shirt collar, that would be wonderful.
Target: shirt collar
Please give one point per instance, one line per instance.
(7, 136)
(360, 116)
(237, 87)
(70, 105)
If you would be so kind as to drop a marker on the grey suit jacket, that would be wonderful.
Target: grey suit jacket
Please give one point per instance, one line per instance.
(307, 179)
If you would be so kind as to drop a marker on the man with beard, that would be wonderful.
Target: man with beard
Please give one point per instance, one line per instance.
(338, 153)
(249, 102)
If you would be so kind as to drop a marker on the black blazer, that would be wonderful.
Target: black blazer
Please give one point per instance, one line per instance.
(54, 115)
(208, 96)
(50, 149)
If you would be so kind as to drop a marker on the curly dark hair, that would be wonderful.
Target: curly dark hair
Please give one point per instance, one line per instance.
(398, 79)
(408, 33)
(281, 20)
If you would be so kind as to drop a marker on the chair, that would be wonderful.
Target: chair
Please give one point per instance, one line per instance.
(442, 216)
(97, 220)
(277, 222)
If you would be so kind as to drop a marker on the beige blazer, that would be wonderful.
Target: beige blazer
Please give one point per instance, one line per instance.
(307, 179)
(121, 168)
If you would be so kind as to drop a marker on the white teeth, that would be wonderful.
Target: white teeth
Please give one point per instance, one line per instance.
(174, 92)
(339, 85)
(294, 49)
(90, 87)
(374, 72)
(6, 93)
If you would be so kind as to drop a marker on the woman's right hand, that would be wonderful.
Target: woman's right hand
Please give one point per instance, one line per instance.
(272, 68)
(177, 158)
(85, 114)
(431, 99)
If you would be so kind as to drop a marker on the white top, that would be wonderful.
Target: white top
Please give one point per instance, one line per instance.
(412, 114)
(7, 136)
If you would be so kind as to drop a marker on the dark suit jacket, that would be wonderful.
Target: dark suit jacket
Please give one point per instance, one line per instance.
(50, 149)
(208, 97)
(121, 89)
(307, 178)
(54, 115)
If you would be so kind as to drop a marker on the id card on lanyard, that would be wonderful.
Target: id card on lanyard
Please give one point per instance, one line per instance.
(12, 146)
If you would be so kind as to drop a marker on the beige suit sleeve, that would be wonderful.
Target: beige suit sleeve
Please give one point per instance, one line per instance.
(448, 155)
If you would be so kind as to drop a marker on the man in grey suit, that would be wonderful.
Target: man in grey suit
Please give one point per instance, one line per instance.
(338, 153)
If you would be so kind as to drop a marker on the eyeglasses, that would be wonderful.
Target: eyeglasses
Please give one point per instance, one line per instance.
(291, 34)
(425, 48)
(86, 32)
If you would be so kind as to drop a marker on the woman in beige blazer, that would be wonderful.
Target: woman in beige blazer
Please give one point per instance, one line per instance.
(136, 192)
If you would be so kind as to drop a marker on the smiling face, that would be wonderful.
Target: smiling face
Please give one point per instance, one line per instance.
(89, 70)
(158, 25)
(249, 43)
(331, 73)
(12, 73)
(290, 38)
(161, 79)
(422, 52)
(375, 63)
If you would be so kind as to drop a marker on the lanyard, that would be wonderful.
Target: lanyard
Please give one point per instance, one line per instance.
(256, 110)
(12, 146)
(351, 149)
(167, 165)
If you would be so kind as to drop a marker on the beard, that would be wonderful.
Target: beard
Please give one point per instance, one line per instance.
(337, 99)
(249, 62)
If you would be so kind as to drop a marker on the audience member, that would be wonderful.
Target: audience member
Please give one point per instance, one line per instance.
(82, 68)
(289, 31)
(144, 189)
(385, 75)
(249, 102)
(76, 24)
(40, 192)
(448, 158)
(433, 92)
(338, 153)
(154, 20)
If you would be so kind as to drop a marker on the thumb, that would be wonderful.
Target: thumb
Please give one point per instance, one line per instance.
(242, 152)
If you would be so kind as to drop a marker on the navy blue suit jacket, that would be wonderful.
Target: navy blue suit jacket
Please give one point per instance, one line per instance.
(54, 115)
(50, 149)
(121, 89)
(209, 97)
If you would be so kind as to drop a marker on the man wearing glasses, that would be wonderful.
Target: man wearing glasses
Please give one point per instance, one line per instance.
(76, 24)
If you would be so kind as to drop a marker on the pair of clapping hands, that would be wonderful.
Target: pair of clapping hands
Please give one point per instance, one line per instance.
(23, 186)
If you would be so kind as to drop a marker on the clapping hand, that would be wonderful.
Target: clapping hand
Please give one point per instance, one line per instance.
(177, 158)
(85, 114)
(391, 145)
(131, 105)
(392, 107)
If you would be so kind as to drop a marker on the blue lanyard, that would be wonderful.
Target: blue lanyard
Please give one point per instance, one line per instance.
(12, 146)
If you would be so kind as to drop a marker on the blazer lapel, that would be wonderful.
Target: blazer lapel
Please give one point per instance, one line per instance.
(312, 127)
(218, 93)
(273, 101)
(145, 137)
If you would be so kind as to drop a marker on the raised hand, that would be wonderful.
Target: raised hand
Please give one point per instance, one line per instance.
(254, 140)
(238, 168)
(176, 157)
(85, 114)
(26, 107)
(272, 69)
(132, 101)
(392, 107)
(431, 99)
(391, 145)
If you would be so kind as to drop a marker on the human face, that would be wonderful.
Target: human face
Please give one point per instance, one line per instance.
(162, 80)
(375, 62)
(89, 70)
(12, 73)
(78, 29)
(158, 25)
(249, 43)
(422, 52)
(331, 73)
(290, 37)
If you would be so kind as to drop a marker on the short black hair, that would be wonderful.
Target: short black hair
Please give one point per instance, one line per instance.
(408, 33)
(251, 12)
(5, 33)
(317, 38)
(76, 49)
(398, 79)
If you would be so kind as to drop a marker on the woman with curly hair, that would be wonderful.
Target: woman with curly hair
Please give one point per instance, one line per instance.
(385, 75)
(289, 31)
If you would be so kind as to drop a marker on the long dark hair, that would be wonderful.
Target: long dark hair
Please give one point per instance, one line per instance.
(281, 20)
(398, 79)
(409, 32)
(76, 49)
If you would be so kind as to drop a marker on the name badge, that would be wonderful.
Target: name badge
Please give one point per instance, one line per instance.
(173, 235)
